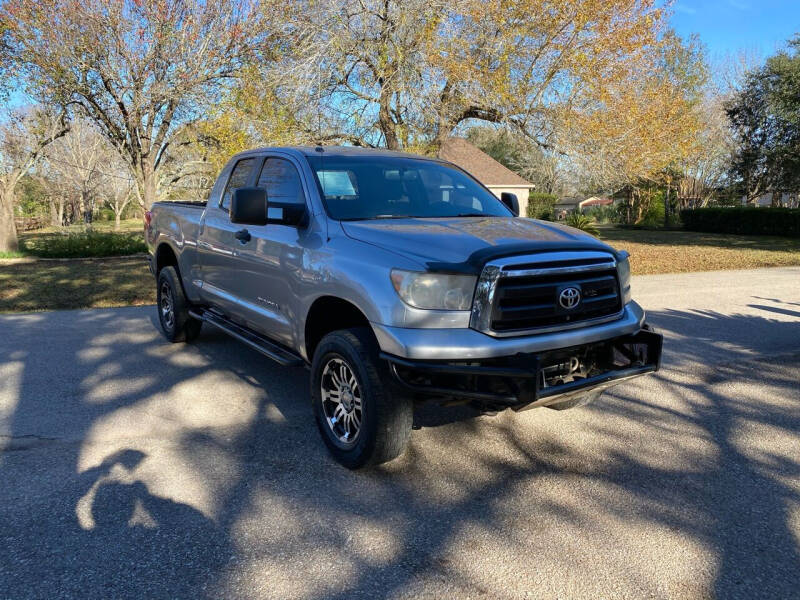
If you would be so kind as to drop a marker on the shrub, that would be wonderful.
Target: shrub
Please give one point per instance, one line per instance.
(743, 219)
(582, 222)
(83, 244)
(654, 217)
(603, 214)
(104, 214)
(540, 206)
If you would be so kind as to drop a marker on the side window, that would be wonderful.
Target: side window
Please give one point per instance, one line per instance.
(239, 178)
(282, 182)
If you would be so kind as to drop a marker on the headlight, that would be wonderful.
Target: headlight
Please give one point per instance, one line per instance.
(434, 291)
(624, 274)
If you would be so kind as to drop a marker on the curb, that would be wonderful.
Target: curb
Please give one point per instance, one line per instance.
(36, 259)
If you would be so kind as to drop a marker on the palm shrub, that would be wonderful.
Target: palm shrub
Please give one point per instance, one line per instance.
(582, 222)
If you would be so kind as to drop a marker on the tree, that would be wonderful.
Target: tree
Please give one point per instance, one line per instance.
(705, 168)
(23, 137)
(77, 164)
(406, 74)
(119, 193)
(765, 118)
(139, 70)
(635, 130)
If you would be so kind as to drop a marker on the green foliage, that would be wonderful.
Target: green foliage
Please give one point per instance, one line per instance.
(31, 197)
(765, 117)
(540, 206)
(654, 216)
(582, 222)
(744, 220)
(83, 244)
(604, 214)
(104, 214)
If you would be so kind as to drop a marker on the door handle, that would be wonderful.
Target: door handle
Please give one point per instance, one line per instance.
(242, 235)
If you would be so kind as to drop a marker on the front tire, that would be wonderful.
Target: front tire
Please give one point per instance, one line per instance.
(173, 308)
(361, 419)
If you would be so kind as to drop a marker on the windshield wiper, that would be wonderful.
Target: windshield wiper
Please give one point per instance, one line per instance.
(379, 217)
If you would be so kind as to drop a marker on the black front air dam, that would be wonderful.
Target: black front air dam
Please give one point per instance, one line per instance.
(530, 380)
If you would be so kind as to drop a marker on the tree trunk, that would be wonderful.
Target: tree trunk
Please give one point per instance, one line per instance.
(146, 184)
(8, 229)
(387, 126)
(117, 218)
(82, 206)
(54, 222)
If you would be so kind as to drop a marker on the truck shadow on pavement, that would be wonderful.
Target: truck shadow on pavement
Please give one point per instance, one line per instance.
(196, 471)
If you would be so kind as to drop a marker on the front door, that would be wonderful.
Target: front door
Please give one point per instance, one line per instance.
(274, 257)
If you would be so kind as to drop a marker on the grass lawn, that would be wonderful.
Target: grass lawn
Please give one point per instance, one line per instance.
(28, 284)
(684, 251)
(58, 284)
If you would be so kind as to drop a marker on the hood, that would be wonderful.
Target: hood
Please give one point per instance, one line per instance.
(464, 244)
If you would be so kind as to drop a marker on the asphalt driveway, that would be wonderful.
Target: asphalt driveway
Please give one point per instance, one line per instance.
(133, 468)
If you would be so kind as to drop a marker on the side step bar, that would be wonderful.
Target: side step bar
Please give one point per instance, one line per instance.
(257, 342)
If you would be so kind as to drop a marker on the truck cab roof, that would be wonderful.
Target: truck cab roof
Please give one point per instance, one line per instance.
(336, 151)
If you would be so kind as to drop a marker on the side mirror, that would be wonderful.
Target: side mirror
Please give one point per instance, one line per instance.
(510, 200)
(249, 206)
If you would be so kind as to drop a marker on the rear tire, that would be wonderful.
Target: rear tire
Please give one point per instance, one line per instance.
(362, 420)
(173, 308)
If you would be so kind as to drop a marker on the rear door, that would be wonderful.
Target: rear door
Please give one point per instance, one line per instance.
(218, 249)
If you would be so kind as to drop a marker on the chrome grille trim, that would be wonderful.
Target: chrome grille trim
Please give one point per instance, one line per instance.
(526, 266)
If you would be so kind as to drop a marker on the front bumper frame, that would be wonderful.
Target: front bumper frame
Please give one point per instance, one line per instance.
(515, 381)
(468, 344)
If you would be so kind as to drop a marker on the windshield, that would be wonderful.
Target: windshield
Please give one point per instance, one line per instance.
(381, 187)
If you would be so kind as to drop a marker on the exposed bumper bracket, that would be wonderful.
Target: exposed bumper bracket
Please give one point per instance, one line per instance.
(521, 381)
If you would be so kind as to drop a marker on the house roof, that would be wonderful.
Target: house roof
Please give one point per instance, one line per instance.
(596, 201)
(479, 164)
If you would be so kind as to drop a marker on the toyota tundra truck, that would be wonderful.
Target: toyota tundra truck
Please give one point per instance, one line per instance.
(396, 279)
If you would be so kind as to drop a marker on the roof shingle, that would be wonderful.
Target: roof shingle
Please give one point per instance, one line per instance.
(482, 166)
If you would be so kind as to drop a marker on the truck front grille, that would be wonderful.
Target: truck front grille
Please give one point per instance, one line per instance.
(529, 302)
(523, 294)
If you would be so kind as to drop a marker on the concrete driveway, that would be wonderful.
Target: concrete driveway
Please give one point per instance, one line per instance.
(133, 468)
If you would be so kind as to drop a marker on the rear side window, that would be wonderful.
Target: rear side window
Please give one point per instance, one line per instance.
(282, 182)
(239, 178)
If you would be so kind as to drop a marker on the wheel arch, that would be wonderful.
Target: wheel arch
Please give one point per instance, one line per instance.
(165, 256)
(327, 314)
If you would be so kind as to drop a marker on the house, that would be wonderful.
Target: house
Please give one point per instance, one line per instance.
(487, 170)
(570, 204)
(564, 206)
(788, 200)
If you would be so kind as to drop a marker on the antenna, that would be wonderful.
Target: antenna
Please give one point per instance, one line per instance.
(319, 102)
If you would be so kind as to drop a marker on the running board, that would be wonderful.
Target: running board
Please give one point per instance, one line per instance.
(257, 342)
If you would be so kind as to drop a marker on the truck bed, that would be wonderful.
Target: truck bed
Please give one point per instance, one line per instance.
(191, 203)
(179, 221)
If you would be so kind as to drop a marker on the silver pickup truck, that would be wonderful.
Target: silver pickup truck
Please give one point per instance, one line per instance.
(396, 279)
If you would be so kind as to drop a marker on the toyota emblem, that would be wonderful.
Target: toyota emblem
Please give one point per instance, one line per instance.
(569, 297)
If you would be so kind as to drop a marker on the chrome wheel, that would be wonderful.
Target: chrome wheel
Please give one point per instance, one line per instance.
(167, 306)
(341, 400)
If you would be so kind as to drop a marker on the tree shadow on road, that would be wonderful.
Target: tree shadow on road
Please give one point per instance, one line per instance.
(196, 471)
